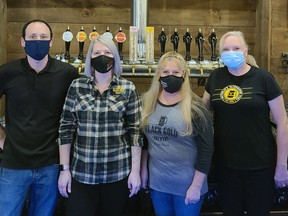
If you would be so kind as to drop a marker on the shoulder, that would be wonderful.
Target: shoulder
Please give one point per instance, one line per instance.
(261, 74)
(63, 67)
(13, 65)
(82, 80)
(201, 106)
(216, 76)
(125, 83)
(221, 71)
(81, 85)
(60, 63)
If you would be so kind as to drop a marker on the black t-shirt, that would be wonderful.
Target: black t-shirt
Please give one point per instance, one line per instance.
(34, 103)
(243, 136)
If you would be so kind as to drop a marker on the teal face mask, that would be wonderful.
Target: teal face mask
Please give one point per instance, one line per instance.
(233, 59)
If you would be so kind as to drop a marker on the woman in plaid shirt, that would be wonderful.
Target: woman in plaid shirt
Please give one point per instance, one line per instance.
(101, 119)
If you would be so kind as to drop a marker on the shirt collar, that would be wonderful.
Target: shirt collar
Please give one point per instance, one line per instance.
(115, 80)
(48, 67)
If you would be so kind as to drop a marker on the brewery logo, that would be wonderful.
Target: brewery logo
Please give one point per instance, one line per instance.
(93, 35)
(67, 36)
(163, 120)
(120, 37)
(231, 94)
(81, 36)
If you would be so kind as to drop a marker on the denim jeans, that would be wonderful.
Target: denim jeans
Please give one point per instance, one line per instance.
(38, 185)
(166, 204)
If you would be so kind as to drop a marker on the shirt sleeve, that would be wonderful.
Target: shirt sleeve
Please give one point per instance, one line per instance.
(68, 124)
(205, 144)
(273, 89)
(133, 118)
(145, 141)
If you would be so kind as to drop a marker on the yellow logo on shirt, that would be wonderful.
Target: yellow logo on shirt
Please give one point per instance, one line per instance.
(118, 89)
(231, 94)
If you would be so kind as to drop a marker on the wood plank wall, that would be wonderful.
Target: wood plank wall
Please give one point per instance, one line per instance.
(218, 14)
(279, 43)
(3, 42)
(264, 23)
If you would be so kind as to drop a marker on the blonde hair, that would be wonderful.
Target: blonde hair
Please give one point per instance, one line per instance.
(191, 106)
(251, 61)
(238, 34)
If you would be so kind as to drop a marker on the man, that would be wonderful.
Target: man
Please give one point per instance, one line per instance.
(35, 88)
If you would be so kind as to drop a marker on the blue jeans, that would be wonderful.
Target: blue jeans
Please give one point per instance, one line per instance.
(166, 204)
(39, 185)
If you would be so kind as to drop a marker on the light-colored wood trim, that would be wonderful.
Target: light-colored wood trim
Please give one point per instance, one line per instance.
(3, 32)
(263, 33)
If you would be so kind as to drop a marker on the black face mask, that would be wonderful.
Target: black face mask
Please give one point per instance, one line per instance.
(171, 84)
(102, 63)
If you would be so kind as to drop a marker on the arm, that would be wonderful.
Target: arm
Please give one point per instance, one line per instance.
(206, 99)
(67, 132)
(194, 192)
(205, 148)
(64, 181)
(132, 123)
(144, 163)
(144, 168)
(2, 137)
(279, 115)
(134, 180)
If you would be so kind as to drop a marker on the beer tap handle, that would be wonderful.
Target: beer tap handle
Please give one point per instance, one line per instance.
(175, 40)
(162, 38)
(81, 37)
(199, 41)
(67, 37)
(187, 40)
(213, 41)
(120, 37)
(93, 34)
(108, 33)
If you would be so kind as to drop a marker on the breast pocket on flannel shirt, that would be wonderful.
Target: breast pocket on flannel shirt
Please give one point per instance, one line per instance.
(117, 105)
(85, 107)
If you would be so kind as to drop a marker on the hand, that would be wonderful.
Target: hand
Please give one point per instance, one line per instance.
(64, 183)
(192, 195)
(134, 183)
(281, 176)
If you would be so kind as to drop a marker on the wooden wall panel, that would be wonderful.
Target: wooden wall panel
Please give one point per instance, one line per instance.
(243, 5)
(279, 43)
(195, 14)
(3, 42)
(59, 46)
(3, 32)
(70, 15)
(233, 19)
(263, 22)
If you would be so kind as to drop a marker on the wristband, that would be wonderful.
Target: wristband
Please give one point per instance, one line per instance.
(64, 167)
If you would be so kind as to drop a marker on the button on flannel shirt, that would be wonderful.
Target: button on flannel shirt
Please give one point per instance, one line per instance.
(101, 129)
